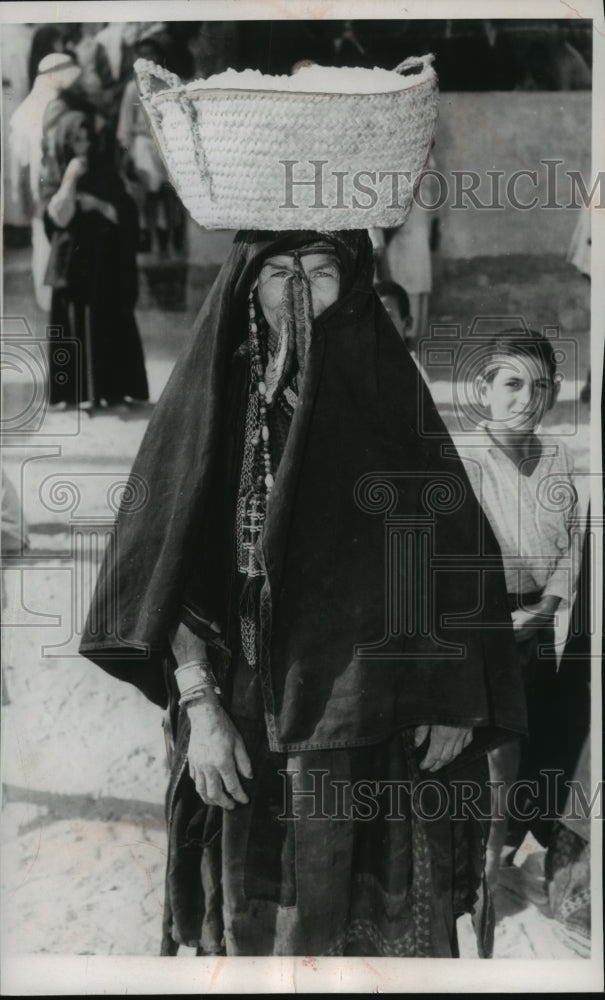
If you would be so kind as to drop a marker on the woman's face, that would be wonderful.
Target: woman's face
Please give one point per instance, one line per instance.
(323, 275)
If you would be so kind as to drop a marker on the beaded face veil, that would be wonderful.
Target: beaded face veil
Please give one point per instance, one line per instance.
(277, 354)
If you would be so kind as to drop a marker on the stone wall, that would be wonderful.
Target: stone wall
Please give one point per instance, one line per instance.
(510, 132)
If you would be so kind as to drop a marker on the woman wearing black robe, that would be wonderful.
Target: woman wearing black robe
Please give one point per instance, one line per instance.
(331, 681)
(95, 350)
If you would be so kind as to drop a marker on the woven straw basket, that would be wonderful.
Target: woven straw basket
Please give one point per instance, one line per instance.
(224, 149)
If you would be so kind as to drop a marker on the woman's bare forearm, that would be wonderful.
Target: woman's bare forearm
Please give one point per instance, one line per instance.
(217, 755)
(187, 646)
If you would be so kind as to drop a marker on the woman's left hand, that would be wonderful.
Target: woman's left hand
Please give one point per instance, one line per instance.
(90, 203)
(446, 742)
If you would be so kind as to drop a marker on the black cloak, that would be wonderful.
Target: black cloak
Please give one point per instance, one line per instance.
(92, 269)
(368, 480)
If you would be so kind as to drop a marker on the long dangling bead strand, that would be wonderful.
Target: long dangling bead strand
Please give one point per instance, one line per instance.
(261, 440)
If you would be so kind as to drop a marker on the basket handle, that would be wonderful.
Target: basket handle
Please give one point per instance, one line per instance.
(151, 78)
(413, 64)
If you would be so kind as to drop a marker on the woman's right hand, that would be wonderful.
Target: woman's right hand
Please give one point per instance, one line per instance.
(75, 169)
(216, 754)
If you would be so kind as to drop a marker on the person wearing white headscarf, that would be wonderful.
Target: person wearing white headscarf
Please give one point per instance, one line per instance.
(56, 73)
(15, 43)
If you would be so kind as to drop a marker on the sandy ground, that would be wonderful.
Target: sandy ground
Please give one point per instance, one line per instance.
(84, 768)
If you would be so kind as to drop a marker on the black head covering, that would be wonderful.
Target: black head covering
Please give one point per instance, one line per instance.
(61, 130)
(65, 134)
(367, 460)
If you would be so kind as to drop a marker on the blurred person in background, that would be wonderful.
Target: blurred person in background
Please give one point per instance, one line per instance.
(161, 215)
(396, 301)
(15, 541)
(112, 59)
(176, 42)
(72, 98)
(553, 63)
(15, 45)
(83, 45)
(579, 255)
(92, 224)
(46, 39)
(56, 73)
(408, 250)
(214, 46)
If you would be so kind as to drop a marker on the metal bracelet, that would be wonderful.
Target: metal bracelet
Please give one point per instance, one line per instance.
(193, 675)
(196, 694)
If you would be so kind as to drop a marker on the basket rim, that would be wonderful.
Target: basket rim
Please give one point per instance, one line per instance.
(174, 94)
(184, 90)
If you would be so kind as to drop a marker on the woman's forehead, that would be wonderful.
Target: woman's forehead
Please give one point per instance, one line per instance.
(310, 260)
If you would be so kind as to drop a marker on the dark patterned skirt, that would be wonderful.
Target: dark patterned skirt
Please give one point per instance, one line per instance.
(338, 852)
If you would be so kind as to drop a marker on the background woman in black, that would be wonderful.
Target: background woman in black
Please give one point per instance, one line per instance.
(92, 224)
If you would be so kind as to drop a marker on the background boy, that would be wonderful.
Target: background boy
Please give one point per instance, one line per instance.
(524, 481)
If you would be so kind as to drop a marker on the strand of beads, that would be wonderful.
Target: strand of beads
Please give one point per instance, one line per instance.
(261, 438)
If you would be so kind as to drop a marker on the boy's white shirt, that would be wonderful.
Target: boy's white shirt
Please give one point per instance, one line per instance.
(536, 518)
